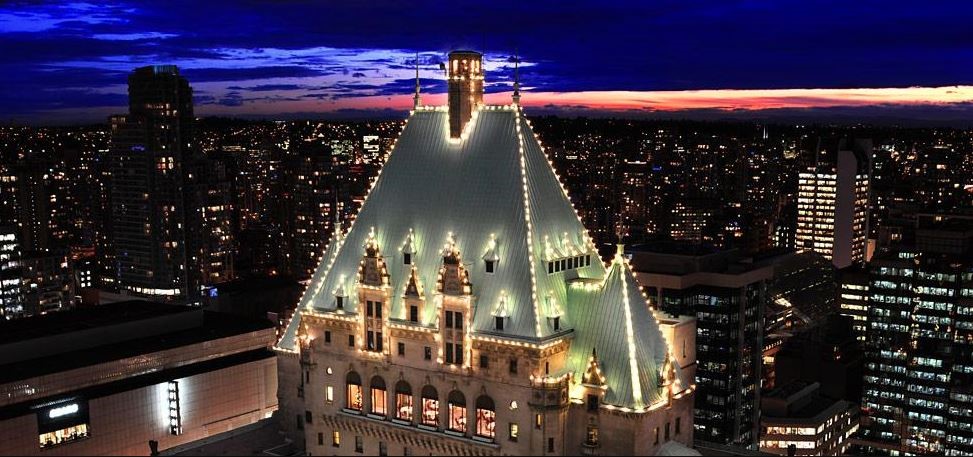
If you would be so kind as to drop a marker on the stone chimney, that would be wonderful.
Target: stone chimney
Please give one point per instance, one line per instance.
(465, 75)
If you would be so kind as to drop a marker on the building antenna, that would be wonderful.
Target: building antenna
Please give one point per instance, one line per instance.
(516, 95)
(416, 99)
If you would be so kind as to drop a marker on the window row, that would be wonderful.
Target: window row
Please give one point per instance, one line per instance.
(404, 409)
(568, 263)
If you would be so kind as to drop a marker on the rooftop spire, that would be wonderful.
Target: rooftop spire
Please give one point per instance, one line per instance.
(516, 96)
(416, 99)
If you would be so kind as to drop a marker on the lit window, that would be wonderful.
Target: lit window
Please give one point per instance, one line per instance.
(457, 411)
(403, 401)
(65, 435)
(329, 395)
(514, 430)
(486, 417)
(336, 438)
(354, 391)
(430, 406)
(379, 405)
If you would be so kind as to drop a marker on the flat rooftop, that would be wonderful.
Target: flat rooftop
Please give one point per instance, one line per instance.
(677, 258)
(84, 318)
(59, 342)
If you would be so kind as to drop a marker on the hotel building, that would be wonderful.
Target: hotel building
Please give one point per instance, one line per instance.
(466, 310)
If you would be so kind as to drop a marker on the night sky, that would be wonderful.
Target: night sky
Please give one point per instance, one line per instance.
(67, 62)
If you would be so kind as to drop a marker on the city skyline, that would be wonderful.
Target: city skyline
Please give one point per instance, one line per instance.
(739, 60)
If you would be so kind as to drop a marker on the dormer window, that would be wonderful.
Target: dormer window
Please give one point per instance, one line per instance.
(501, 313)
(557, 323)
(408, 249)
(491, 257)
(413, 313)
(568, 263)
(339, 294)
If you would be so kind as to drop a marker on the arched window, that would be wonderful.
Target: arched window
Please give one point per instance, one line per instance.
(457, 411)
(403, 401)
(486, 417)
(379, 403)
(354, 392)
(430, 406)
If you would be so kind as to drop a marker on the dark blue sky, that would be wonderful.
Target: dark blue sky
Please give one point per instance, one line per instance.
(64, 62)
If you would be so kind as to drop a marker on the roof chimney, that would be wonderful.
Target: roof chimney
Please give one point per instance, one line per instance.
(465, 75)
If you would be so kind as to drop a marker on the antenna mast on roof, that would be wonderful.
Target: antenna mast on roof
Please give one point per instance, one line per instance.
(416, 99)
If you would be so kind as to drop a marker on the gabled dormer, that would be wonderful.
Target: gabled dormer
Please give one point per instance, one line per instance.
(374, 297)
(456, 308)
(414, 298)
(553, 313)
(409, 249)
(501, 314)
(491, 258)
(593, 383)
(340, 294)
(453, 277)
(372, 271)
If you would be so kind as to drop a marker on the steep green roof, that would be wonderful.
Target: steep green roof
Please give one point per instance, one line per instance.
(495, 184)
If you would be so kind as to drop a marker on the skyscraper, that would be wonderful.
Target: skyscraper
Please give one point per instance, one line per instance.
(727, 297)
(917, 395)
(150, 150)
(832, 202)
(466, 311)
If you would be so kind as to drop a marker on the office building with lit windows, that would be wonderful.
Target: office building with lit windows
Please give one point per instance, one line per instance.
(797, 420)
(852, 289)
(917, 395)
(109, 379)
(832, 201)
(727, 298)
(466, 310)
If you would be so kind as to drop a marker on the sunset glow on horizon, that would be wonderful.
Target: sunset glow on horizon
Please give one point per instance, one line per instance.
(648, 101)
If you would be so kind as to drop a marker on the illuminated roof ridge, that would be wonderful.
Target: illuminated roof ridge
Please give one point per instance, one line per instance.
(495, 196)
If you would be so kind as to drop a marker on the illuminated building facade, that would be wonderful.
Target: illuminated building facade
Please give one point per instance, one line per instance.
(833, 201)
(11, 274)
(919, 348)
(797, 420)
(149, 152)
(466, 311)
(852, 288)
(109, 379)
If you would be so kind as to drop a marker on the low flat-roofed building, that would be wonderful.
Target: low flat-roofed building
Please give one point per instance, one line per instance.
(797, 415)
(109, 379)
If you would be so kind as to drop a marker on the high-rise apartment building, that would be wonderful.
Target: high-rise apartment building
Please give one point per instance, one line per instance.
(917, 395)
(11, 274)
(727, 297)
(832, 201)
(151, 148)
